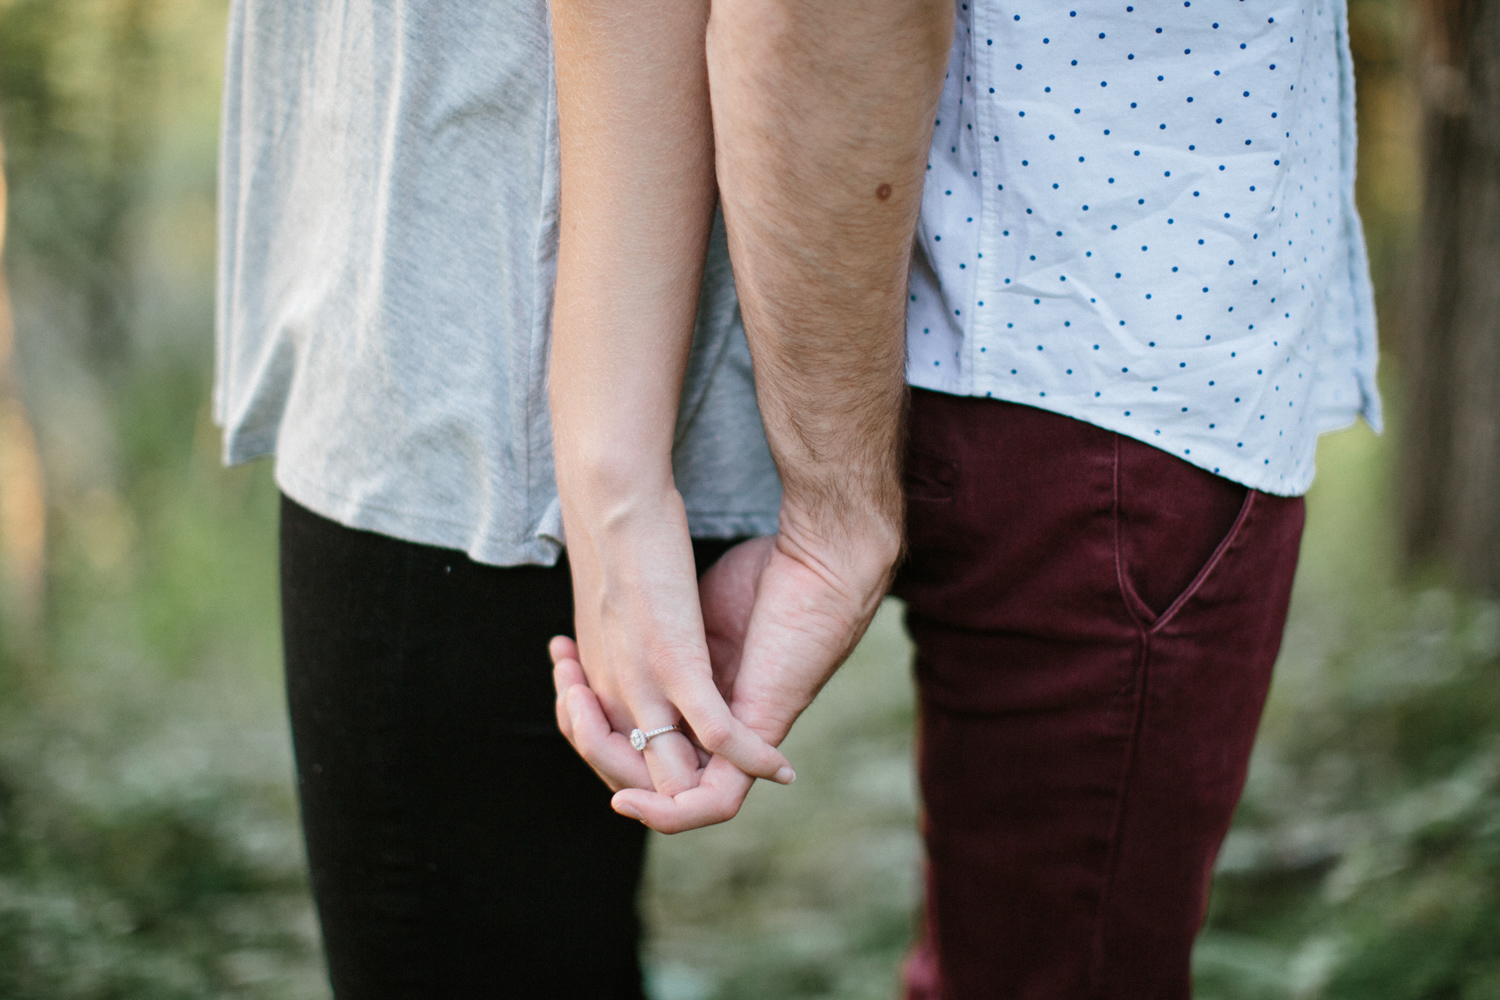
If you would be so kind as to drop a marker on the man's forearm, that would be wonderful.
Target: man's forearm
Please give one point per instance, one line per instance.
(823, 116)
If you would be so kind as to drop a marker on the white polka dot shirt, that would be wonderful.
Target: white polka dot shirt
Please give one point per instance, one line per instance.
(1141, 215)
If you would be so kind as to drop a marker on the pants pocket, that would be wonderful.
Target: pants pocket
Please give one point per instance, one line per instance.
(1171, 519)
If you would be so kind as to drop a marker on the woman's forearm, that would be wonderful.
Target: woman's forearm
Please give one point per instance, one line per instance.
(637, 203)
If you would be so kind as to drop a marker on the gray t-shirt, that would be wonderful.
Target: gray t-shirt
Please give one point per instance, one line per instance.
(387, 253)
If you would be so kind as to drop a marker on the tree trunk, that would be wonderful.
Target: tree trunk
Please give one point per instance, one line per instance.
(1451, 465)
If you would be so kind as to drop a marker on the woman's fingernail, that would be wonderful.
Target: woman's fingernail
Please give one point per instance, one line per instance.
(628, 811)
(786, 776)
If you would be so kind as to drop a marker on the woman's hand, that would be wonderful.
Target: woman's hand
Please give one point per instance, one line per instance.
(781, 614)
(642, 654)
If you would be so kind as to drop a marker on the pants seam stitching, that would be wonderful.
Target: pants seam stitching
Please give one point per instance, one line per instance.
(1118, 821)
(1141, 676)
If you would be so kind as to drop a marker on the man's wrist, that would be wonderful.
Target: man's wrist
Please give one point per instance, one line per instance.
(839, 456)
(857, 542)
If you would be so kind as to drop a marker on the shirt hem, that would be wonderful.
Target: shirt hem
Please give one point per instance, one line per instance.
(1235, 471)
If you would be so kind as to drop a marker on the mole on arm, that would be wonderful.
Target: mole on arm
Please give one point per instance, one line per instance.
(883, 192)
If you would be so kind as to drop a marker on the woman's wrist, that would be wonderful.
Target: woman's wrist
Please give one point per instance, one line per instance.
(616, 492)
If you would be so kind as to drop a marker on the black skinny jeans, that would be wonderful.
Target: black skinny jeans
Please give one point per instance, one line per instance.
(458, 847)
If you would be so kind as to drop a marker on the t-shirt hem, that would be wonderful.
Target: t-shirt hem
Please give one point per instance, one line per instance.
(242, 446)
(362, 515)
(540, 549)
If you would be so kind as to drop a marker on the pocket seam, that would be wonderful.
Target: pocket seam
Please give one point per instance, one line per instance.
(1148, 621)
(1134, 606)
(1208, 567)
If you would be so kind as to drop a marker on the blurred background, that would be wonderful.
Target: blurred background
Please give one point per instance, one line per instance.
(148, 837)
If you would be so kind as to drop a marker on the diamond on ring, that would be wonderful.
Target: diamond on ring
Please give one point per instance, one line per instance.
(639, 739)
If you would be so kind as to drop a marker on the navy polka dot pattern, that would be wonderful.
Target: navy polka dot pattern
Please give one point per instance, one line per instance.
(1142, 216)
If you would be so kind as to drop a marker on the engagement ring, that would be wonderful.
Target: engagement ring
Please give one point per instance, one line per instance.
(639, 739)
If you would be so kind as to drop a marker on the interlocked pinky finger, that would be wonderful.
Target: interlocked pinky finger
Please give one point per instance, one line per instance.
(562, 648)
(563, 677)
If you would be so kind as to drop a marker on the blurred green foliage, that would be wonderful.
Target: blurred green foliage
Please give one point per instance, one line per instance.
(148, 840)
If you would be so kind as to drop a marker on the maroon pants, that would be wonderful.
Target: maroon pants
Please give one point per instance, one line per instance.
(1095, 623)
